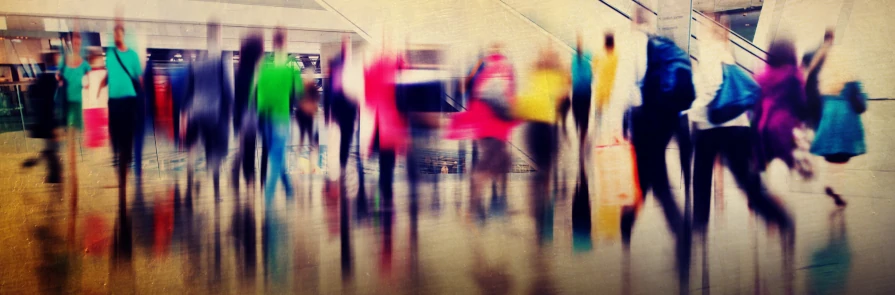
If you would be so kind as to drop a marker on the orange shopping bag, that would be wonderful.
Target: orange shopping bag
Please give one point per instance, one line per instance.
(618, 187)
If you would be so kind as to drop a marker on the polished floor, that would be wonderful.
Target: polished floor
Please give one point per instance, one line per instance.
(167, 238)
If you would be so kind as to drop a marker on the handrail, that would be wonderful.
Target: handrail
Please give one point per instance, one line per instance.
(713, 21)
(732, 32)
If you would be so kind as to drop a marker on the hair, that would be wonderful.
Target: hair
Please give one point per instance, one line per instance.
(639, 16)
(782, 53)
(609, 40)
(213, 29)
(49, 58)
(252, 48)
(829, 35)
(279, 37)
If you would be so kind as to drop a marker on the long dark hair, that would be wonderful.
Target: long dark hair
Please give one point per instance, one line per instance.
(782, 53)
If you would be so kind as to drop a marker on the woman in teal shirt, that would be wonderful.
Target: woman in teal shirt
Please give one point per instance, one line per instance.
(71, 75)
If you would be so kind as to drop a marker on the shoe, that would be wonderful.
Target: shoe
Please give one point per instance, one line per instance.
(836, 197)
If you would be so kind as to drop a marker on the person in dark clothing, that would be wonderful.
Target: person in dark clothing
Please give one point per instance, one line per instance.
(208, 106)
(43, 95)
(338, 107)
(245, 120)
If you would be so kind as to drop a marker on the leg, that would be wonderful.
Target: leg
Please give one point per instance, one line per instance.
(737, 150)
(386, 176)
(704, 160)
(265, 147)
(277, 146)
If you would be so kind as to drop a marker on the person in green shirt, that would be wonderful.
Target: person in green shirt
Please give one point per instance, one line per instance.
(125, 72)
(278, 85)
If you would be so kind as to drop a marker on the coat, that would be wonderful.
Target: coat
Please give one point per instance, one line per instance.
(780, 109)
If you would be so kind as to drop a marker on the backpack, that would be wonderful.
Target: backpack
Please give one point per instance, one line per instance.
(668, 83)
(493, 83)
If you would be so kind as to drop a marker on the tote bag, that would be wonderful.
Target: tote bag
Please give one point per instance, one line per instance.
(738, 93)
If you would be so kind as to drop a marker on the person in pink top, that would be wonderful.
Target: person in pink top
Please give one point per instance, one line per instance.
(487, 121)
(390, 130)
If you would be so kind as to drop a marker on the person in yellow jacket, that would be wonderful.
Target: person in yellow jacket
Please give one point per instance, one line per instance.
(604, 69)
(548, 86)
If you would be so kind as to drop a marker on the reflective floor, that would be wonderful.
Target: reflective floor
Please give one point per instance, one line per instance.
(167, 238)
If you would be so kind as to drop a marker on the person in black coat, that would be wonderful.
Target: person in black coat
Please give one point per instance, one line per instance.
(43, 95)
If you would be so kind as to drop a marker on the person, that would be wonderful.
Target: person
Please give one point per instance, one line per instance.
(339, 107)
(653, 114)
(43, 94)
(582, 80)
(840, 131)
(208, 107)
(71, 75)
(278, 84)
(605, 67)
(245, 121)
(390, 126)
(124, 74)
(495, 85)
(731, 139)
(781, 108)
(548, 85)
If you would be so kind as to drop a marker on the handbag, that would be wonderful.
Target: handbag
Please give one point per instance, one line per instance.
(856, 98)
(738, 93)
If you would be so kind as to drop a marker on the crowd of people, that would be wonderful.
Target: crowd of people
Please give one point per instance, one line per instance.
(787, 110)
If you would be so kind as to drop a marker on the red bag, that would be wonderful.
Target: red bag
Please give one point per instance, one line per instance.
(619, 187)
(96, 127)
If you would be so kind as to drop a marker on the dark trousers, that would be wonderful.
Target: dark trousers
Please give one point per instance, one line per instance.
(387, 160)
(346, 129)
(734, 144)
(122, 124)
(651, 133)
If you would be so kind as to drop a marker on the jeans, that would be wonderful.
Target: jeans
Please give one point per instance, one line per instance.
(275, 137)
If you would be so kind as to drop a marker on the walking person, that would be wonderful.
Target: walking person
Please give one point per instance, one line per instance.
(124, 74)
(43, 94)
(781, 111)
(208, 107)
(605, 67)
(339, 107)
(245, 117)
(840, 131)
(278, 85)
(488, 120)
(539, 105)
(71, 74)
(731, 139)
(390, 126)
(582, 80)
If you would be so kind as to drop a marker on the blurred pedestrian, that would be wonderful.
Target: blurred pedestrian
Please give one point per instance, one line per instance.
(840, 131)
(245, 117)
(208, 106)
(781, 109)
(338, 106)
(547, 88)
(43, 95)
(71, 75)
(582, 83)
(605, 68)
(279, 83)
(390, 125)
(125, 70)
(489, 119)
(731, 139)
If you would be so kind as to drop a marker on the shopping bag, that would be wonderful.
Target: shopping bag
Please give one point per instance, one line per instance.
(618, 187)
(738, 93)
(96, 127)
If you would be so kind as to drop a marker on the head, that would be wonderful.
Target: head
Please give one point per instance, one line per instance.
(279, 39)
(119, 34)
(95, 56)
(829, 36)
(781, 53)
(76, 42)
(346, 43)
(50, 59)
(578, 41)
(495, 48)
(252, 47)
(213, 35)
(639, 17)
(609, 41)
